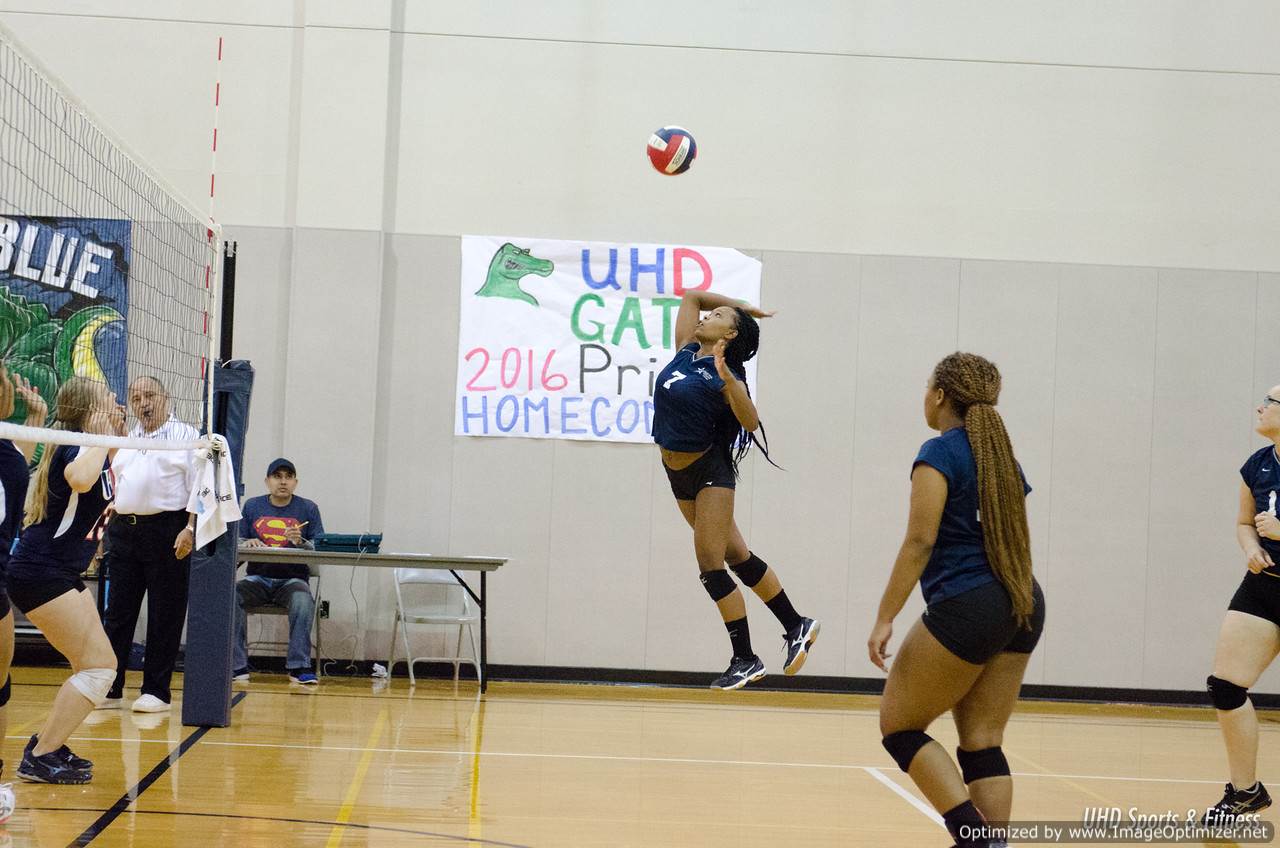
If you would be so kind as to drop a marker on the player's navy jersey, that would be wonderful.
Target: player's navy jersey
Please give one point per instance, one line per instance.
(13, 495)
(1261, 473)
(690, 412)
(959, 560)
(60, 541)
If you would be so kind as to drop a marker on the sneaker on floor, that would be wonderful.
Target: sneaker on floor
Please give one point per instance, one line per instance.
(1238, 802)
(78, 763)
(799, 640)
(111, 704)
(7, 802)
(304, 676)
(149, 704)
(240, 675)
(50, 768)
(72, 760)
(741, 671)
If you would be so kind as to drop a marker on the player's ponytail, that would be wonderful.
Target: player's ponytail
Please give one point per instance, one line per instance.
(972, 386)
(72, 408)
(739, 350)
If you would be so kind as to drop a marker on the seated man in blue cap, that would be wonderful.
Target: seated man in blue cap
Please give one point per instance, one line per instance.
(279, 519)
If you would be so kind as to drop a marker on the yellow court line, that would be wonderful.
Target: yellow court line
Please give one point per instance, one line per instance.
(1073, 784)
(475, 828)
(353, 791)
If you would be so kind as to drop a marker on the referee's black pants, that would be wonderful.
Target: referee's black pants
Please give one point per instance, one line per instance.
(139, 561)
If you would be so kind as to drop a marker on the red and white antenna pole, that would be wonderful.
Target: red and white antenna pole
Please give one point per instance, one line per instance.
(217, 100)
(214, 252)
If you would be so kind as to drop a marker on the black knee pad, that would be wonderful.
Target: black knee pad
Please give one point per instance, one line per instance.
(751, 570)
(6, 690)
(1225, 694)
(718, 583)
(975, 765)
(904, 745)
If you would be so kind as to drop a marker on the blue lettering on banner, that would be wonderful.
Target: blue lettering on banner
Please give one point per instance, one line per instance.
(483, 414)
(611, 279)
(512, 413)
(657, 269)
(595, 427)
(530, 406)
(633, 407)
(515, 413)
(566, 416)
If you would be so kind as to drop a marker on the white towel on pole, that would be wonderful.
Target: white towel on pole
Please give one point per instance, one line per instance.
(213, 500)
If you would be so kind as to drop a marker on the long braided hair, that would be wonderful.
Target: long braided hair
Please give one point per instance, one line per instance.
(737, 352)
(972, 386)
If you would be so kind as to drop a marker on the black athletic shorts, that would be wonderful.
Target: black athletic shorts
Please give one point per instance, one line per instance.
(28, 594)
(1259, 594)
(713, 468)
(978, 624)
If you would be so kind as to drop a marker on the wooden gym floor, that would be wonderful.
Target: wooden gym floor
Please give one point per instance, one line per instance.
(347, 763)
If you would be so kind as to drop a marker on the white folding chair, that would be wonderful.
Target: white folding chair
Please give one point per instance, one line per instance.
(433, 596)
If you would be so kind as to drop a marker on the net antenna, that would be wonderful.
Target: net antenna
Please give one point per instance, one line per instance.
(107, 273)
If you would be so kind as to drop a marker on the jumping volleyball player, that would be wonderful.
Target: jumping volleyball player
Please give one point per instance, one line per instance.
(968, 546)
(704, 422)
(1250, 636)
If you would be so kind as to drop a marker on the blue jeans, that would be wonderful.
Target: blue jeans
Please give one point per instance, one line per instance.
(292, 593)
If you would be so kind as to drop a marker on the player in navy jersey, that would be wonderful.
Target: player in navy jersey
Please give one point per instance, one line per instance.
(968, 546)
(69, 490)
(1250, 636)
(704, 422)
(13, 493)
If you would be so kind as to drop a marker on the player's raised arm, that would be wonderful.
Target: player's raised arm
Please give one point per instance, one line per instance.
(694, 303)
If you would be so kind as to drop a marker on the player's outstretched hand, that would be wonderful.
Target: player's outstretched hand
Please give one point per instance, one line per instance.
(37, 409)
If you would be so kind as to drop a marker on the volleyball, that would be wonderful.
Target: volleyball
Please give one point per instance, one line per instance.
(671, 150)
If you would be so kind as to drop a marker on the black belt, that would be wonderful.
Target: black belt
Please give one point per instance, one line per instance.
(132, 518)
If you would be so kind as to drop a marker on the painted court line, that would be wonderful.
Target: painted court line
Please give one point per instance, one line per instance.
(907, 796)
(353, 791)
(609, 757)
(127, 800)
(616, 758)
(1076, 785)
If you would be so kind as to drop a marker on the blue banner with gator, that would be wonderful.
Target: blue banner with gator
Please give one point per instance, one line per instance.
(64, 298)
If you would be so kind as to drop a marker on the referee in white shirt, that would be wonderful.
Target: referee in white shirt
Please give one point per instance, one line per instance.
(148, 546)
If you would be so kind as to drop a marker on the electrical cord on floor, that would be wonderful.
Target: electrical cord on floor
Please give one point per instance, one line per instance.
(354, 637)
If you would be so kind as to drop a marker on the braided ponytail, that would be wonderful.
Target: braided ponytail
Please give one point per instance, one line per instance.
(739, 350)
(972, 385)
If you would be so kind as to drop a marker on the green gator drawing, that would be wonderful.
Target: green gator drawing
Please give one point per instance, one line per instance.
(506, 268)
(48, 350)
